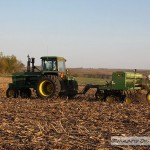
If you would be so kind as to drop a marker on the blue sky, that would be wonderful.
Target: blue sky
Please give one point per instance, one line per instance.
(88, 33)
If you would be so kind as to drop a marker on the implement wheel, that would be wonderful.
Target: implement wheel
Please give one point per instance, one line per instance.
(128, 100)
(48, 87)
(11, 93)
(25, 93)
(110, 99)
(99, 95)
(148, 96)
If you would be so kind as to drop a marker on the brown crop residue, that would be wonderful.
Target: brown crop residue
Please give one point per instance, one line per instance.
(69, 124)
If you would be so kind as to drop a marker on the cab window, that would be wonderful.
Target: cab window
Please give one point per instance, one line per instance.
(61, 66)
(49, 65)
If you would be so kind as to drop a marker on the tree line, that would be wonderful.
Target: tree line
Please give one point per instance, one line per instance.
(9, 64)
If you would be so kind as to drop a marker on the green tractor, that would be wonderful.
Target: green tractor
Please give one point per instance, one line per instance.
(50, 81)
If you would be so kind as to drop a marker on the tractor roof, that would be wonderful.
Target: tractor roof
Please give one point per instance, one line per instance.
(53, 57)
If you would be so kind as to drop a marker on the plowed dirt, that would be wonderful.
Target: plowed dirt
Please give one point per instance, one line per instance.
(69, 124)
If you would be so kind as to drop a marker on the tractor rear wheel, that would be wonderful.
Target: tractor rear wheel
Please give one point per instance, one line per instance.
(12, 93)
(25, 93)
(72, 89)
(48, 87)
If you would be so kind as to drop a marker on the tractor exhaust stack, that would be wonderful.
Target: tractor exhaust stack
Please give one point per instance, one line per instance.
(32, 61)
(28, 64)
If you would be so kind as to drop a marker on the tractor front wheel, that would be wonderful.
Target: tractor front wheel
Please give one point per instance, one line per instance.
(12, 93)
(25, 93)
(48, 87)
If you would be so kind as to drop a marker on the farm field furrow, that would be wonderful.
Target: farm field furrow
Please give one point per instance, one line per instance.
(69, 124)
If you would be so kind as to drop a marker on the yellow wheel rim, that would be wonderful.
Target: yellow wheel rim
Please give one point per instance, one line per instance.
(128, 100)
(148, 97)
(46, 88)
(109, 99)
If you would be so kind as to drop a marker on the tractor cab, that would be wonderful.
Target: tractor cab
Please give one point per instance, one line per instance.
(53, 63)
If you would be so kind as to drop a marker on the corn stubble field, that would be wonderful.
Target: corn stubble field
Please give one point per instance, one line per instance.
(69, 124)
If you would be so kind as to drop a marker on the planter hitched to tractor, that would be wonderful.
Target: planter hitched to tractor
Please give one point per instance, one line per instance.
(53, 80)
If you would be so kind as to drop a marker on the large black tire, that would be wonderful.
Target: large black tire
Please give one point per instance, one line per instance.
(25, 93)
(12, 93)
(72, 89)
(48, 87)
